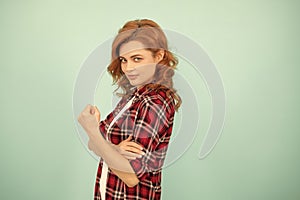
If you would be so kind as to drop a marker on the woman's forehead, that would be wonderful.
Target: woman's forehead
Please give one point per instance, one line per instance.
(130, 48)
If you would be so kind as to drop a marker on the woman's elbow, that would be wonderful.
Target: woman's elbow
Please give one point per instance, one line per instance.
(131, 182)
(130, 179)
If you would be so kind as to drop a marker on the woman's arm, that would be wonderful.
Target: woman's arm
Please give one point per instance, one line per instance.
(116, 162)
(152, 130)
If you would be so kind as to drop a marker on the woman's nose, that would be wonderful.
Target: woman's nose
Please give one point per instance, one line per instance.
(129, 66)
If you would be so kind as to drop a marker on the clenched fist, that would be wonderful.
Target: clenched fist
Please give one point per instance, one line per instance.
(89, 119)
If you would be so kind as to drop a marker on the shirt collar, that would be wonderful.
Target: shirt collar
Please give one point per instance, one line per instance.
(139, 92)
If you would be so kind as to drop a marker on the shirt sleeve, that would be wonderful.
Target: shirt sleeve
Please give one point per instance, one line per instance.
(152, 129)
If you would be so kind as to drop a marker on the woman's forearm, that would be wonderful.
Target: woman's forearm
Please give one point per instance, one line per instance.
(109, 154)
(116, 162)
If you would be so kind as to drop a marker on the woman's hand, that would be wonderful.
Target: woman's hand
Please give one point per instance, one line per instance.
(129, 149)
(89, 119)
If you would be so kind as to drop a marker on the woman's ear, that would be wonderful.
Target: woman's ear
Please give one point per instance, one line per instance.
(160, 55)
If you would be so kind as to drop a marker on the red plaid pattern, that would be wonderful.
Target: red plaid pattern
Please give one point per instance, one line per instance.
(149, 120)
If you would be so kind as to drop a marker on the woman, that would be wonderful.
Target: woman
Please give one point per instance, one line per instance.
(135, 135)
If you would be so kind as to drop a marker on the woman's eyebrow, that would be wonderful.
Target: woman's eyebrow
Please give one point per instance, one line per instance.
(132, 56)
(135, 55)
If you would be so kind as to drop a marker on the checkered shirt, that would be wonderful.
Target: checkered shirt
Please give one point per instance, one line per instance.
(149, 120)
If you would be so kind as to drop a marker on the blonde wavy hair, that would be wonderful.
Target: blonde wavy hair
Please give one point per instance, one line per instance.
(153, 38)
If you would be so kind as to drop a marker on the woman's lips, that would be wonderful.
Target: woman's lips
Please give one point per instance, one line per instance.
(132, 77)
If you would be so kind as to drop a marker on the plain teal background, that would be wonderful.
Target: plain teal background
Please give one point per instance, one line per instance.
(254, 44)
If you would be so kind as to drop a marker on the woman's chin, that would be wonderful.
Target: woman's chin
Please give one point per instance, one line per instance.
(133, 83)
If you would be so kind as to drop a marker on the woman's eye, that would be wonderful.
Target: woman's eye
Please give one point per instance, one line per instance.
(137, 59)
(123, 60)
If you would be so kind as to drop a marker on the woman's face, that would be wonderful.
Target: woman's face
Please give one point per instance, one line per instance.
(137, 63)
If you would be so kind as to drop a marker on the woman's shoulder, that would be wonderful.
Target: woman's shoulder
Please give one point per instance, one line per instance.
(160, 94)
(156, 97)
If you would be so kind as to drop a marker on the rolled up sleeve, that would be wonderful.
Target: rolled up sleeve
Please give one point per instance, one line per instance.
(152, 130)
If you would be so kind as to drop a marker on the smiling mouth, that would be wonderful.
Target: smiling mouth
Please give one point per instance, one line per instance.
(132, 77)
